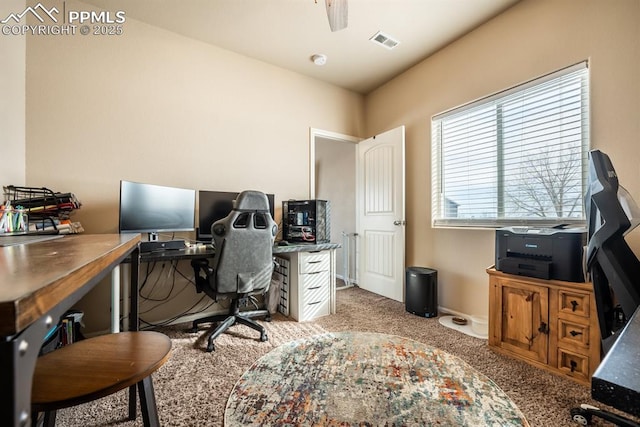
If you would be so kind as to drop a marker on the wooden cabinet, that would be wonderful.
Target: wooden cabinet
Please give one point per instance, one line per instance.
(549, 323)
(310, 278)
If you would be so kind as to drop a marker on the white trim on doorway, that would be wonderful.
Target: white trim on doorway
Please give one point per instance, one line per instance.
(319, 133)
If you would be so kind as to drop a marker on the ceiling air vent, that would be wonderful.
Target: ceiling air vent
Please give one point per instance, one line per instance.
(384, 40)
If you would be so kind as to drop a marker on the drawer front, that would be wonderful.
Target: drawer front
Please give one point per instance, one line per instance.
(573, 364)
(574, 303)
(573, 334)
(312, 310)
(313, 281)
(311, 262)
(315, 294)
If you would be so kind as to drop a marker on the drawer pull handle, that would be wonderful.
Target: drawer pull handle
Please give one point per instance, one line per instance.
(315, 287)
(313, 303)
(574, 305)
(574, 333)
(574, 365)
(315, 262)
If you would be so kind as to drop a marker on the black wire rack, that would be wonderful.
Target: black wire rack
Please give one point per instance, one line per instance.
(43, 206)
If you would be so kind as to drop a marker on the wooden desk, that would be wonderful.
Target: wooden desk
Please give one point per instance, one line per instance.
(209, 252)
(39, 282)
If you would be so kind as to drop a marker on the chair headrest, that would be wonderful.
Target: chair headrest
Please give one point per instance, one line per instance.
(251, 200)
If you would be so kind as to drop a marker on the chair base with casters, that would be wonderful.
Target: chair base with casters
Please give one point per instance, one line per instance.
(97, 367)
(234, 316)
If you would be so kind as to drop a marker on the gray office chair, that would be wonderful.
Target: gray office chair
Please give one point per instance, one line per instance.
(242, 265)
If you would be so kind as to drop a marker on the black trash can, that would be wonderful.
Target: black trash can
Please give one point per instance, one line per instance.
(421, 291)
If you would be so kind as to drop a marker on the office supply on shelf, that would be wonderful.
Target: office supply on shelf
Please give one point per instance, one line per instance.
(36, 209)
(41, 292)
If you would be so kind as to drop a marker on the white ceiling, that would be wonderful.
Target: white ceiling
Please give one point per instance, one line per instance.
(286, 33)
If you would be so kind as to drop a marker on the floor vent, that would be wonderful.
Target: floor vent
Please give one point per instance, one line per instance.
(384, 40)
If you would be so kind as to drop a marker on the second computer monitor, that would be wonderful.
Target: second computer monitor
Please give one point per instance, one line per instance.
(215, 205)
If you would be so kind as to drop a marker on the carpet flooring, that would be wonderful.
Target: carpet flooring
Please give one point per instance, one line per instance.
(193, 387)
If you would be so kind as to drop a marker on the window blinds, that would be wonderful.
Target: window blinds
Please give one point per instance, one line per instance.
(516, 157)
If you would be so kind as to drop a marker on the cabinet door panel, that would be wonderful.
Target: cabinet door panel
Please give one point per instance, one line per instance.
(548, 323)
(525, 320)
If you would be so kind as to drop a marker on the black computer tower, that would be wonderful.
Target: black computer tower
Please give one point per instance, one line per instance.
(306, 221)
(421, 291)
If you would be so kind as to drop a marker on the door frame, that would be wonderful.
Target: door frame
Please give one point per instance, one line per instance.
(315, 134)
(319, 133)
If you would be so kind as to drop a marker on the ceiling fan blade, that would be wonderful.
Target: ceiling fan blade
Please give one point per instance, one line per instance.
(337, 12)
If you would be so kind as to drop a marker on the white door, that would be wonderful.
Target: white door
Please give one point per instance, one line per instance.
(381, 217)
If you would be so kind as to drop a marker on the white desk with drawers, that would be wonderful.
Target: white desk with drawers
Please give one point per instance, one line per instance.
(308, 279)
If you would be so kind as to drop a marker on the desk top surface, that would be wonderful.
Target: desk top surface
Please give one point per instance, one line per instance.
(616, 381)
(208, 251)
(35, 277)
(304, 247)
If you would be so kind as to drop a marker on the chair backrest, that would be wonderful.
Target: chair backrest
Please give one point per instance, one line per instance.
(243, 262)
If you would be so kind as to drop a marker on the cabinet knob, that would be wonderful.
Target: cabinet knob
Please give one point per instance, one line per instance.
(574, 305)
(575, 333)
(544, 328)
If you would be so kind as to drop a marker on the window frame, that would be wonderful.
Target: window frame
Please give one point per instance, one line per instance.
(439, 217)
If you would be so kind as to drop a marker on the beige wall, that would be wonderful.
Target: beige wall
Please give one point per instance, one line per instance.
(531, 39)
(156, 107)
(12, 101)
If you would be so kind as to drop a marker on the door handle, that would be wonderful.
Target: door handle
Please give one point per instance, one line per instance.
(398, 222)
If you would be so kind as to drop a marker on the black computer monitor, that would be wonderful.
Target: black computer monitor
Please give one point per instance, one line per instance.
(215, 205)
(613, 267)
(152, 209)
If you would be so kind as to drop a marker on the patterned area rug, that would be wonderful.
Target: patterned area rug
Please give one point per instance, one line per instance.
(364, 379)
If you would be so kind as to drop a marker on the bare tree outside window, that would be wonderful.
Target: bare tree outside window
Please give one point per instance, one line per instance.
(548, 186)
